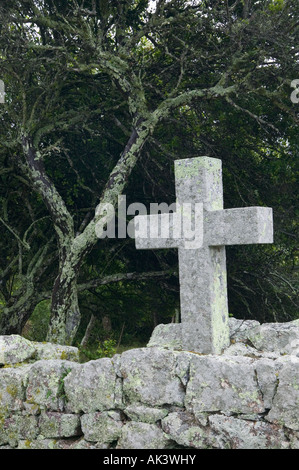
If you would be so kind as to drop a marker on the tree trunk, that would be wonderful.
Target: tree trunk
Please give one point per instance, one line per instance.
(106, 323)
(14, 318)
(20, 307)
(65, 311)
(88, 331)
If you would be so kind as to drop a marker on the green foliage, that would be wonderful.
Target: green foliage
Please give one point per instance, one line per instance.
(61, 392)
(106, 348)
(36, 327)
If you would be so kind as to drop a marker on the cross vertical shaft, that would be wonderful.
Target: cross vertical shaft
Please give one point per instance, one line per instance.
(203, 285)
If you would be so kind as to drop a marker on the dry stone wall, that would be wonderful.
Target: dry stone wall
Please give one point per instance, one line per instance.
(157, 397)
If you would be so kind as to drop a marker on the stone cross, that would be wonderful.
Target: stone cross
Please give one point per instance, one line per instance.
(202, 268)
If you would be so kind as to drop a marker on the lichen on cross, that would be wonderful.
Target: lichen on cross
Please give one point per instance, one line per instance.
(202, 263)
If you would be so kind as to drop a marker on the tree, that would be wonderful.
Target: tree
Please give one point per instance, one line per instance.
(115, 74)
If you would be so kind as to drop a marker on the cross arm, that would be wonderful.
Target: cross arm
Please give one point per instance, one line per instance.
(157, 231)
(180, 229)
(240, 226)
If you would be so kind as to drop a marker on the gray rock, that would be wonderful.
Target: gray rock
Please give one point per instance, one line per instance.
(45, 444)
(223, 383)
(142, 436)
(145, 414)
(45, 385)
(56, 351)
(101, 427)
(240, 329)
(267, 377)
(234, 433)
(282, 338)
(54, 424)
(17, 427)
(149, 377)
(91, 387)
(12, 389)
(241, 349)
(285, 406)
(83, 444)
(294, 440)
(184, 429)
(15, 349)
(182, 367)
(167, 336)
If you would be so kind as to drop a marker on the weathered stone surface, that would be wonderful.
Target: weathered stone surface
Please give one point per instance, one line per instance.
(54, 424)
(182, 367)
(248, 338)
(15, 349)
(285, 406)
(240, 329)
(83, 444)
(45, 444)
(154, 398)
(101, 426)
(241, 349)
(17, 427)
(56, 351)
(223, 383)
(91, 386)
(167, 336)
(294, 440)
(12, 389)
(145, 414)
(267, 376)
(279, 337)
(235, 433)
(149, 378)
(136, 435)
(45, 383)
(185, 430)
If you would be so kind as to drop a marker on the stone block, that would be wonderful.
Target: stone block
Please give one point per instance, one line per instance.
(228, 432)
(17, 427)
(56, 351)
(281, 338)
(15, 349)
(167, 336)
(83, 444)
(101, 427)
(149, 377)
(145, 414)
(45, 385)
(267, 376)
(285, 405)
(45, 444)
(240, 329)
(12, 389)
(136, 435)
(91, 387)
(55, 425)
(223, 383)
(185, 430)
